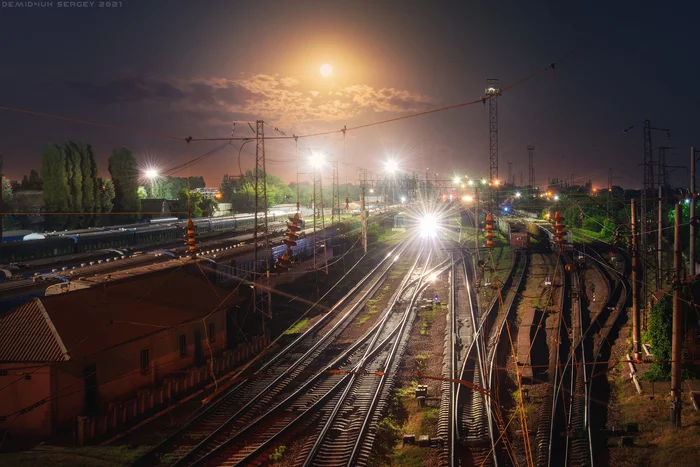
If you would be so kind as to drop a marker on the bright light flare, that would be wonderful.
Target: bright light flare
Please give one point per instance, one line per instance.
(457, 179)
(151, 174)
(403, 199)
(317, 160)
(391, 166)
(518, 195)
(428, 226)
(433, 277)
(468, 199)
(326, 70)
(556, 197)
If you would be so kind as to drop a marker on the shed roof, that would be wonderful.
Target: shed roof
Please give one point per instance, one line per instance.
(28, 335)
(91, 320)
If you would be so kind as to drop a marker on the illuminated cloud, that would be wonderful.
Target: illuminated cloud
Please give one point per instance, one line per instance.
(274, 98)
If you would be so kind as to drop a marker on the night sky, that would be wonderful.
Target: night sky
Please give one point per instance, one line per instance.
(190, 68)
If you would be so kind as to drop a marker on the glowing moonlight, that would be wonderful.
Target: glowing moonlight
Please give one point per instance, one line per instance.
(326, 70)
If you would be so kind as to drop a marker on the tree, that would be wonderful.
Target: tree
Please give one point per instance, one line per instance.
(90, 187)
(659, 333)
(124, 173)
(208, 207)
(142, 193)
(104, 196)
(181, 204)
(56, 190)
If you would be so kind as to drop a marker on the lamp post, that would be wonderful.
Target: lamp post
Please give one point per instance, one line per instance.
(152, 175)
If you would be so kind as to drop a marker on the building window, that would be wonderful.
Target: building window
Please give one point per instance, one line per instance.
(183, 345)
(145, 362)
(212, 333)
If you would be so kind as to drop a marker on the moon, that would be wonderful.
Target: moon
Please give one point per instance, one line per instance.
(326, 70)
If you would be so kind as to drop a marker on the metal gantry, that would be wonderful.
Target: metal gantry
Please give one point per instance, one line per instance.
(335, 202)
(493, 92)
(531, 166)
(319, 221)
(261, 290)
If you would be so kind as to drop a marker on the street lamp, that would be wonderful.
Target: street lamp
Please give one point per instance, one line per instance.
(317, 159)
(152, 174)
(391, 166)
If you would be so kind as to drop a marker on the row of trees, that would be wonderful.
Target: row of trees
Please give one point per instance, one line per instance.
(240, 192)
(170, 187)
(71, 185)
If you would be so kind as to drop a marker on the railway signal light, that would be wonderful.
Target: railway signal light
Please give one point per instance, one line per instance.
(191, 242)
(559, 229)
(489, 231)
(285, 261)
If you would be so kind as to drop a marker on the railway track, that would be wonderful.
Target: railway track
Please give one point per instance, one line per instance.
(477, 425)
(286, 371)
(347, 433)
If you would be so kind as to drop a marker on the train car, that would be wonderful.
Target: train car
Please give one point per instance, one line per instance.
(101, 240)
(16, 252)
(14, 235)
(157, 233)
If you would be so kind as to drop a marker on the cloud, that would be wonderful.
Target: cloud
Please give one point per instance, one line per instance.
(273, 98)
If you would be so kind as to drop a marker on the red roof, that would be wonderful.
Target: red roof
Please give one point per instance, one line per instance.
(27, 335)
(103, 316)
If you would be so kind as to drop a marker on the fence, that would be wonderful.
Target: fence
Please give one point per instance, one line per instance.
(119, 415)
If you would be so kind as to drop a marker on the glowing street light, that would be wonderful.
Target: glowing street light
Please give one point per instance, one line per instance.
(151, 174)
(403, 199)
(484, 181)
(391, 166)
(467, 199)
(556, 197)
(457, 179)
(317, 160)
(517, 194)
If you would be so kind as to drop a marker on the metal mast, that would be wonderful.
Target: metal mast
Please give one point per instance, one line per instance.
(531, 165)
(510, 171)
(335, 203)
(492, 91)
(261, 289)
(318, 217)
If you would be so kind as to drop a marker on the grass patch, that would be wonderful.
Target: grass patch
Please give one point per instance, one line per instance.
(88, 456)
(427, 317)
(421, 358)
(278, 453)
(410, 456)
(299, 327)
(388, 432)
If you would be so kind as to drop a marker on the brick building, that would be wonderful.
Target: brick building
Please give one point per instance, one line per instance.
(75, 354)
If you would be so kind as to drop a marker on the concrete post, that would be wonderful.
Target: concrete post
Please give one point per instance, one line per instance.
(636, 334)
(677, 336)
(691, 244)
(659, 243)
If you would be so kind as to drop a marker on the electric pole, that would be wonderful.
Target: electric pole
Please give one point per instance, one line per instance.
(319, 216)
(261, 290)
(335, 201)
(635, 285)
(677, 335)
(659, 241)
(531, 166)
(364, 213)
(691, 244)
